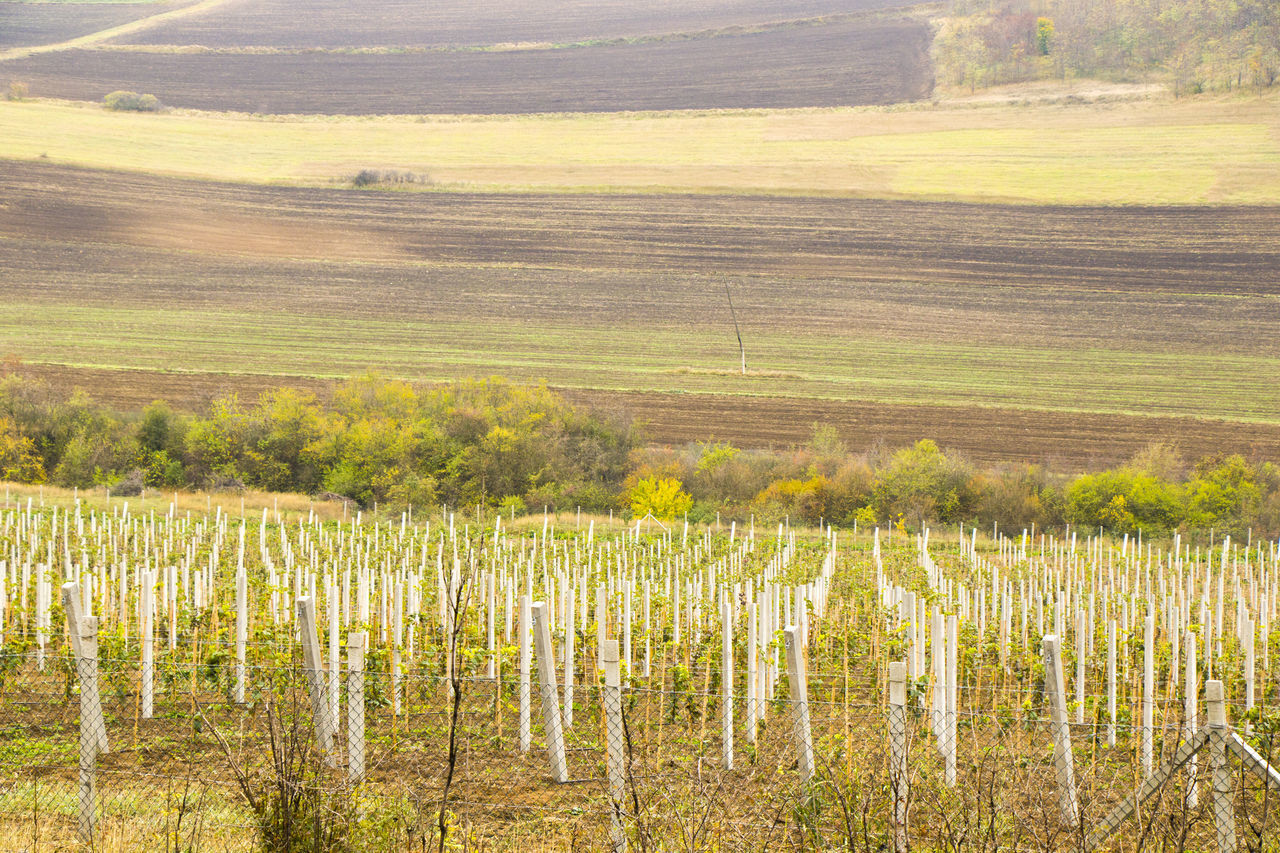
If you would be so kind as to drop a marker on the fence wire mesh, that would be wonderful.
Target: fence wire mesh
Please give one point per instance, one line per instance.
(205, 772)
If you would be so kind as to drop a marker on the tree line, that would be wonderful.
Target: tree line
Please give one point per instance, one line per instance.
(513, 448)
(1193, 45)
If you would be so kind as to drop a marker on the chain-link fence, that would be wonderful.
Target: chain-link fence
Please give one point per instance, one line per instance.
(442, 745)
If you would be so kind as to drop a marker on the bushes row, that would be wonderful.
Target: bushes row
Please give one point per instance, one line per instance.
(919, 485)
(514, 447)
(376, 441)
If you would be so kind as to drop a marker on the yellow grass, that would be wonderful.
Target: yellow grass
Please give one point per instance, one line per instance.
(289, 506)
(1149, 151)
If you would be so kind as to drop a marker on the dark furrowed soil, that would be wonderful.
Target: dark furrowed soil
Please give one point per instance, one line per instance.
(374, 23)
(1155, 280)
(1173, 250)
(848, 62)
(26, 24)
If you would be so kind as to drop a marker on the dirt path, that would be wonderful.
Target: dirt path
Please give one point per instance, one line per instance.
(94, 39)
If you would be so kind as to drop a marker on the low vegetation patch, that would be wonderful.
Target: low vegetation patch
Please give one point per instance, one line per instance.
(132, 102)
(388, 177)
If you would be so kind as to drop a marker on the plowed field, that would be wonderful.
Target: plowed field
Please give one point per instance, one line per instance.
(1075, 334)
(849, 62)
(24, 24)
(382, 23)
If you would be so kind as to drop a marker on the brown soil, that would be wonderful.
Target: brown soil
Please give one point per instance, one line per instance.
(365, 23)
(848, 61)
(1150, 280)
(25, 24)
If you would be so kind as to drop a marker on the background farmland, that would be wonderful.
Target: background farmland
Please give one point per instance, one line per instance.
(1059, 274)
(381, 252)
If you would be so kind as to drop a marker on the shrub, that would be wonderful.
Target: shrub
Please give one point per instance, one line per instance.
(663, 498)
(19, 457)
(376, 177)
(18, 91)
(132, 101)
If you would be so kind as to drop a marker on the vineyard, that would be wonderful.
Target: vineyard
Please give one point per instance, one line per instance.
(180, 680)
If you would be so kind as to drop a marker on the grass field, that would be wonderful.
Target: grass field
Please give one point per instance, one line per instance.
(1146, 152)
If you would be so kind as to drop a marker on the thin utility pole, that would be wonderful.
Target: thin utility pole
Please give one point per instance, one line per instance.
(736, 330)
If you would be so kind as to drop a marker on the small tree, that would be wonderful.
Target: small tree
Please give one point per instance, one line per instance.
(19, 457)
(1044, 35)
(663, 498)
(18, 91)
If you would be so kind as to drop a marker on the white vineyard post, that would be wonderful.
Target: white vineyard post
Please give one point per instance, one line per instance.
(797, 678)
(242, 630)
(1250, 667)
(1148, 695)
(1223, 796)
(568, 659)
(357, 642)
(1111, 683)
(753, 673)
(1189, 711)
(491, 640)
(335, 662)
(90, 721)
(898, 753)
(952, 709)
(726, 682)
(1080, 663)
(938, 649)
(612, 701)
(526, 654)
(147, 687)
(83, 631)
(313, 668)
(1063, 759)
(397, 630)
(550, 699)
